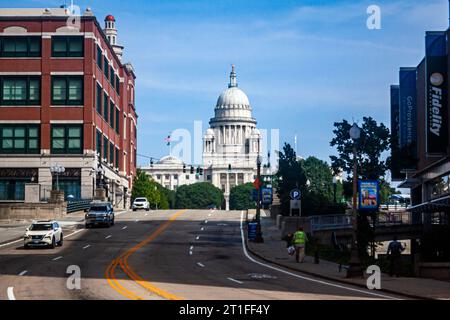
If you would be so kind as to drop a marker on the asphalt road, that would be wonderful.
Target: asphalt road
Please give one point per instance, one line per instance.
(187, 254)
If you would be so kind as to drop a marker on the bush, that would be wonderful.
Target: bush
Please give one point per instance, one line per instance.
(198, 196)
(241, 197)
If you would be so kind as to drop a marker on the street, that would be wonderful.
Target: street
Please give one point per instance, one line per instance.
(185, 254)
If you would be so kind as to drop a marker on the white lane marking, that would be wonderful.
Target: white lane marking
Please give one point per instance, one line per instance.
(57, 258)
(191, 248)
(200, 264)
(24, 272)
(206, 221)
(302, 277)
(10, 292)
(73, 233)
(9, 243)
(108, 237)
(203, 228)
(198, 238)
(237, 281)
(85, 247)
(124, 228)
(137, 220)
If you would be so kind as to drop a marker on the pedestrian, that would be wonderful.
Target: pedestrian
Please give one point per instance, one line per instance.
(394, 253)
(289, 245)
(300, 239)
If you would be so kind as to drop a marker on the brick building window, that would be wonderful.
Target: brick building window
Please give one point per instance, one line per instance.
(111, 114)
(105, 148)
(67, 90)
(98, 143)
(105, 107)
(106, 67)
(111, 153)
(99, 99)
(67, 139)
(67, 46)
(111, 76)
(117, 121)
(22, 46)
(20, 90)
(117, 158)
(117, 85)
(99, 57)
(19, 139)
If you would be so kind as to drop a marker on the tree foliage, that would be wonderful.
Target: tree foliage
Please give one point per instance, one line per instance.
(241, 197)
(143, 186)
(374, 141)
(198, 196)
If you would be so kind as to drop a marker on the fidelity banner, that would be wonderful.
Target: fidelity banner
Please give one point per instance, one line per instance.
(395, 128)
(436, 93)
(408, 110)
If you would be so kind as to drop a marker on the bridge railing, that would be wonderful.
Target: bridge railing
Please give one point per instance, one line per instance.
(330, 222)
(75, 206)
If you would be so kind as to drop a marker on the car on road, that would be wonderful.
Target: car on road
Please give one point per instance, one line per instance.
(99, 213)
(43, 234)
(141, 204)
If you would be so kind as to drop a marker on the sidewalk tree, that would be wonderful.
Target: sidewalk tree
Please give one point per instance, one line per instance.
(143, 186)
(320, 176)
(167, 197)
(198, 196)
(241, 197)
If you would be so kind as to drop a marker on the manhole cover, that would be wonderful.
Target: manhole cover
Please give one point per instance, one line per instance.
(261, 276)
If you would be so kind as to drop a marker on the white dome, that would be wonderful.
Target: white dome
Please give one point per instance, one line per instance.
(170, 160)
(209, 132)
(233, 98)
(256, 132)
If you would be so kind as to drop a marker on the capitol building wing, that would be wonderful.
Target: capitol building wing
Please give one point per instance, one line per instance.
(232, 143)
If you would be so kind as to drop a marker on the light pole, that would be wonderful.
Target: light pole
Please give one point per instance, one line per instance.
(57, 170)
(259, 237)
(354, 268)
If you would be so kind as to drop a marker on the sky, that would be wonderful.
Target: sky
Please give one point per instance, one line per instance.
(303, 64)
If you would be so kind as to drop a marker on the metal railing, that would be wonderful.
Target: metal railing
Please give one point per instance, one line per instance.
(75, 206)
(330, 222)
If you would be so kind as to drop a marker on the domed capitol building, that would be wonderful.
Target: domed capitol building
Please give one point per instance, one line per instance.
(231, 146)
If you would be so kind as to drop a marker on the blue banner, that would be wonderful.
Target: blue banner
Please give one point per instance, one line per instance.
(252, 229)
(436, 93)
(368, 191)
(395, 132)
(408, 110)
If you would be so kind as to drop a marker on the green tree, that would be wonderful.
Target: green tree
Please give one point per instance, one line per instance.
(320, 176)
(143, 186)
(290, 175)
(198, 196)
(374, 141)
(241, 197)
(167, 197)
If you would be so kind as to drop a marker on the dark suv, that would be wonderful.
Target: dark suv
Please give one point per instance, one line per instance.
(100, 213)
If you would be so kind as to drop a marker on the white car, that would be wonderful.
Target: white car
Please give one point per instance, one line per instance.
(43, 234)
(141, 203)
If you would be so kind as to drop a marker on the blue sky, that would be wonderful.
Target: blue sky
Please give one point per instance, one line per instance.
(303, 64)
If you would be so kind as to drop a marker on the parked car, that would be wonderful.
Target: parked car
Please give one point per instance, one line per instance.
(141, 204)
(43, 234)
(99, 213)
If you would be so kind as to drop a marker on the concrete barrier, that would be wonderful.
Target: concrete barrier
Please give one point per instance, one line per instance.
(32, 211)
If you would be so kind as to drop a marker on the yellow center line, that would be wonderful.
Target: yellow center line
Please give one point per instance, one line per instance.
(122, 260)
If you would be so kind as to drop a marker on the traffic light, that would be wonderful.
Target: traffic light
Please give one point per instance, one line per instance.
(201, 171)
(184, 168)
(229, 167)
(198, 170)
(192, 170)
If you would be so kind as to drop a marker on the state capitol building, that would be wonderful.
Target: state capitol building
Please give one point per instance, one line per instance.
(231, 146)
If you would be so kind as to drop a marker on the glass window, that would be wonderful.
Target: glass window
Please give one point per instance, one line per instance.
(106, 66)
(117, 121)
(35, 90)
(105, 148)
(99, 57)
(105, 107)
(20, 90)
(67, 90)
(99, 144)
(117, 85)
(20, 46)
(35, 46)
(67, 46)
(117, 158)
(111, 153)
(99, 99)
(111, 114)
(67, 139)
(111, 75)
(22, 139)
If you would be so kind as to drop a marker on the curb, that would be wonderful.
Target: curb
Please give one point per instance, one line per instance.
(318, 275)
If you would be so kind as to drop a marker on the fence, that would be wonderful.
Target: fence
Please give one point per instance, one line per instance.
(329, 222)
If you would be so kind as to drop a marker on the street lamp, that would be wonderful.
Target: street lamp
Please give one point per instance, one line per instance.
(57, 170)
(354, 269)
(258, 205)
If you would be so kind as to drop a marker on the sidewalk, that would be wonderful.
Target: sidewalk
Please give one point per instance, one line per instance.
(274, 250)
(11, 230)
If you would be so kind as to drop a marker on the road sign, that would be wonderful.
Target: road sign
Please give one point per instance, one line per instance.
(252, 228)
(267, 195)
(295, 194)
(257, 184)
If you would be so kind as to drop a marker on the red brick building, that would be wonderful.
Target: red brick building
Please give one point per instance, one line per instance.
(65, 99)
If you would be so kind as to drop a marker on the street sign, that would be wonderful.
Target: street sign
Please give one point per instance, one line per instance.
(267, 195)
(257, 184)
(295, 194)
(295, 208)
(252, 228)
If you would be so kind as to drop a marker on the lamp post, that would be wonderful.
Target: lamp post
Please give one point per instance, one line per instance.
(259, 237)
(354, 269)
(57, 170)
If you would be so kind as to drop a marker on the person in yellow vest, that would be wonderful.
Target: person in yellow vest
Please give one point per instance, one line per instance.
(299, 241)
